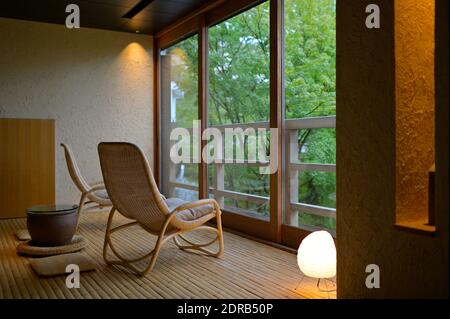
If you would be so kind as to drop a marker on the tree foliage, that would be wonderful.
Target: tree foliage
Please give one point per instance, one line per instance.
(239, 90)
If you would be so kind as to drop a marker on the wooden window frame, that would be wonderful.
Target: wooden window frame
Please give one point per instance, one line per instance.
(198, 22)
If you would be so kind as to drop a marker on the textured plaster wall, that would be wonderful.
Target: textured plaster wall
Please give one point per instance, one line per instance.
(96, 84)
(414, 58)
(411, 264)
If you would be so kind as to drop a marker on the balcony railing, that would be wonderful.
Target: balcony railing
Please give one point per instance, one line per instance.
(292, 166)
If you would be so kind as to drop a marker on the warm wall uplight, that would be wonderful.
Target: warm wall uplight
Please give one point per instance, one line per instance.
(134, 51)
(129, 63)
(316, 255)
(414, 60)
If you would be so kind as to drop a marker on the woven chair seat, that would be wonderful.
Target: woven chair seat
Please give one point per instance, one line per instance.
(189, 214)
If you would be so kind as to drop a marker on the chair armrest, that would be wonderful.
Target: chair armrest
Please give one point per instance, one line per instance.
(196, 204)
(98, 187)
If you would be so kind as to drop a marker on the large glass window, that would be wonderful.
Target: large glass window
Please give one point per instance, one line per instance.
(238, 97)
(179, 108)
(238, 101)
(310, 102)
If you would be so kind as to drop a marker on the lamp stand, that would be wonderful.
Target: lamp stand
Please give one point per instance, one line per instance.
(326, 290)
(319, 286)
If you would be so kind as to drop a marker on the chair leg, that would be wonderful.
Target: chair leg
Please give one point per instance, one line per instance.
(219, 233)
(82, 202)
(80, 207)
(129, 263)
(201, 246)
(155, 254)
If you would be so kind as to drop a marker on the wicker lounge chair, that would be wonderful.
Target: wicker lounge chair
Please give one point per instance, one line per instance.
(134, 193)
(90, 193)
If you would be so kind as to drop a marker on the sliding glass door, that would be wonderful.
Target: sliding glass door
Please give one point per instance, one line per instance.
(238, 103)
(310, 113)
(260, 75)
(179, 110)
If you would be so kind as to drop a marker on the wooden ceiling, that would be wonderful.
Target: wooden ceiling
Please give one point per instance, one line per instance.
(104, 14)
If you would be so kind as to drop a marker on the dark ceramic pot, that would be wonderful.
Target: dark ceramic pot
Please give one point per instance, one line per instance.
(52, 225)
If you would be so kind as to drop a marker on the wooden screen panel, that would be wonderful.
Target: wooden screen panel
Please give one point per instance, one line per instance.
(27, 165)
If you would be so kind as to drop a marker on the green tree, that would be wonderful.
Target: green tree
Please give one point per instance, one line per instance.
(239, 90)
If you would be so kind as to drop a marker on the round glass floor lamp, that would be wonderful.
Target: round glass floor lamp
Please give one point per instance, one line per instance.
(316, 257)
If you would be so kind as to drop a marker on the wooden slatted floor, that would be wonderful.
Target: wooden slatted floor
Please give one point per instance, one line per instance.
(247, 269)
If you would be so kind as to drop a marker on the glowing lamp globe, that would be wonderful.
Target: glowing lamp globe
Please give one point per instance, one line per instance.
(316, 255)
